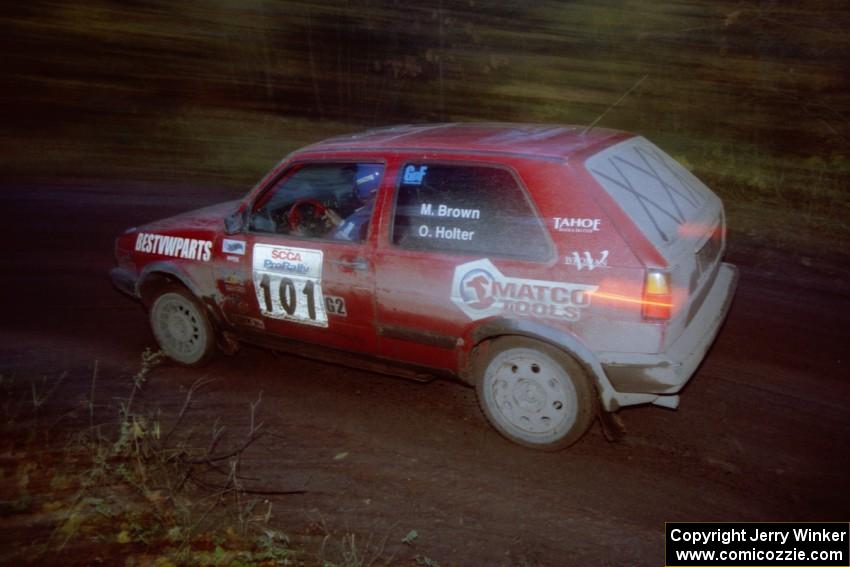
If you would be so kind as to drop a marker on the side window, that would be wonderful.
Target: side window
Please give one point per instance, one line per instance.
(469, 209)
(320, 200)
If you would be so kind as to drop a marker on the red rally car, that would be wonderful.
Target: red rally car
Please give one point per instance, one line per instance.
(559, 271)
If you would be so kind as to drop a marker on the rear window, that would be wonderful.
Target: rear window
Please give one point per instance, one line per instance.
(469, 209)
(652, 188)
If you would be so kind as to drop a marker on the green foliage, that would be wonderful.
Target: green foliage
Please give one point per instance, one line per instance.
(410, 537)
(348, 552)
(274, 546)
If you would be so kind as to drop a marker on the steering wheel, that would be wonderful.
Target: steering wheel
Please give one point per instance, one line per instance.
(294, 217)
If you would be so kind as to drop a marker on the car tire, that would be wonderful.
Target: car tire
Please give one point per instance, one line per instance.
(181, 327)
(532, 393)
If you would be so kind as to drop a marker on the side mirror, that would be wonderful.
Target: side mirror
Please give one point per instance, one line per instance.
(234, 222)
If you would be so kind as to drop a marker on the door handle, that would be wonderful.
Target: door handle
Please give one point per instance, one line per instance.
(358, 264)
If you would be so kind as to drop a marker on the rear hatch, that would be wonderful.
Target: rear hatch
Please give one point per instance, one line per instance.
(677, 213)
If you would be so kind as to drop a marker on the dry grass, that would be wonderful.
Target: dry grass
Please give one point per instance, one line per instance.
(134, 483)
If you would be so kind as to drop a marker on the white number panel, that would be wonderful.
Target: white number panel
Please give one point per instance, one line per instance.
(288, 282)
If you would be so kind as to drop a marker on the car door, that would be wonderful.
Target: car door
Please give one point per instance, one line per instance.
(455, 224)
(303, 269)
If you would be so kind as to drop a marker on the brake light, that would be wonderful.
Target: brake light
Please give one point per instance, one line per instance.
(657, 296)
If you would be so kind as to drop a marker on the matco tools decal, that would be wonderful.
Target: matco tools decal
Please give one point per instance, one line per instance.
(480, 290)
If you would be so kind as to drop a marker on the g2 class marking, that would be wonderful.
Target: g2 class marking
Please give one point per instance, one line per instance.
(335, 305)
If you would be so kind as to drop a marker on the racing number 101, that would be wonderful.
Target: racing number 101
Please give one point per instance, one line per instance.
(288, 297)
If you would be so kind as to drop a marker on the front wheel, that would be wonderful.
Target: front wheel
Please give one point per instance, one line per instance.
(534, 394)
(181, 327)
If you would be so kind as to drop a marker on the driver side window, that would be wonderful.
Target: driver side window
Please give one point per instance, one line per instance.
(320, 200)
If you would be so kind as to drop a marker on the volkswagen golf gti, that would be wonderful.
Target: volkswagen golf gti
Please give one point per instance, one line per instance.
(561, 272)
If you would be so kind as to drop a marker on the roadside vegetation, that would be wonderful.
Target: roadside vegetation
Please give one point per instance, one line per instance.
(751, 97)
(132, 482)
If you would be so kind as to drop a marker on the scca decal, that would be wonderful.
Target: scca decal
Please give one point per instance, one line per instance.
(480, 290)
(175, 246)
(286, 260)
(286, 254)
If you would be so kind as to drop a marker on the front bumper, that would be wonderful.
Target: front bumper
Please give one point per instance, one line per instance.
(655, 378)
(125, 281)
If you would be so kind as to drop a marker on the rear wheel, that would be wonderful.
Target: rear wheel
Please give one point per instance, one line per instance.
(182, 328)
(534, 394)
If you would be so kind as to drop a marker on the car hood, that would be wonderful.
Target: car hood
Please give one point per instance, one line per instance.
(207, 218)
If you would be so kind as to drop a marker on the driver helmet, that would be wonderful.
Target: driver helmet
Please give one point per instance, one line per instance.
(367, 180)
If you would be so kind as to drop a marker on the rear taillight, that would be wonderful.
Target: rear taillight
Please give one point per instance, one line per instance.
(657, 295)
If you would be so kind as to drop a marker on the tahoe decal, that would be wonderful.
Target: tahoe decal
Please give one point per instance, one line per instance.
(480, 290)
(576, 224)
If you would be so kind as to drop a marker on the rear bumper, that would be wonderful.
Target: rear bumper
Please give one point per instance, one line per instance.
(654, 378)
(125, 281)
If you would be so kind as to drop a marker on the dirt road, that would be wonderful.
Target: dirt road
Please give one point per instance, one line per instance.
(762, 433)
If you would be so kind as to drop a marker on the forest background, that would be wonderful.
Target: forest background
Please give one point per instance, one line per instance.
(751, 96)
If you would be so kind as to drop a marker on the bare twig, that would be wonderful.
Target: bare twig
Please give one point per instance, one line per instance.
(196, 385)
(150, 360)
(39, 399)
(254, 433)
(230, 454)
(224, 488)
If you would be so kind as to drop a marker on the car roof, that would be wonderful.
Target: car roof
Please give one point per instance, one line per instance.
(546, 141)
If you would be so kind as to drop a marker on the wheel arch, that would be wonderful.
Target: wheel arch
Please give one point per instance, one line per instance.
(159, 275)
(566, 342)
